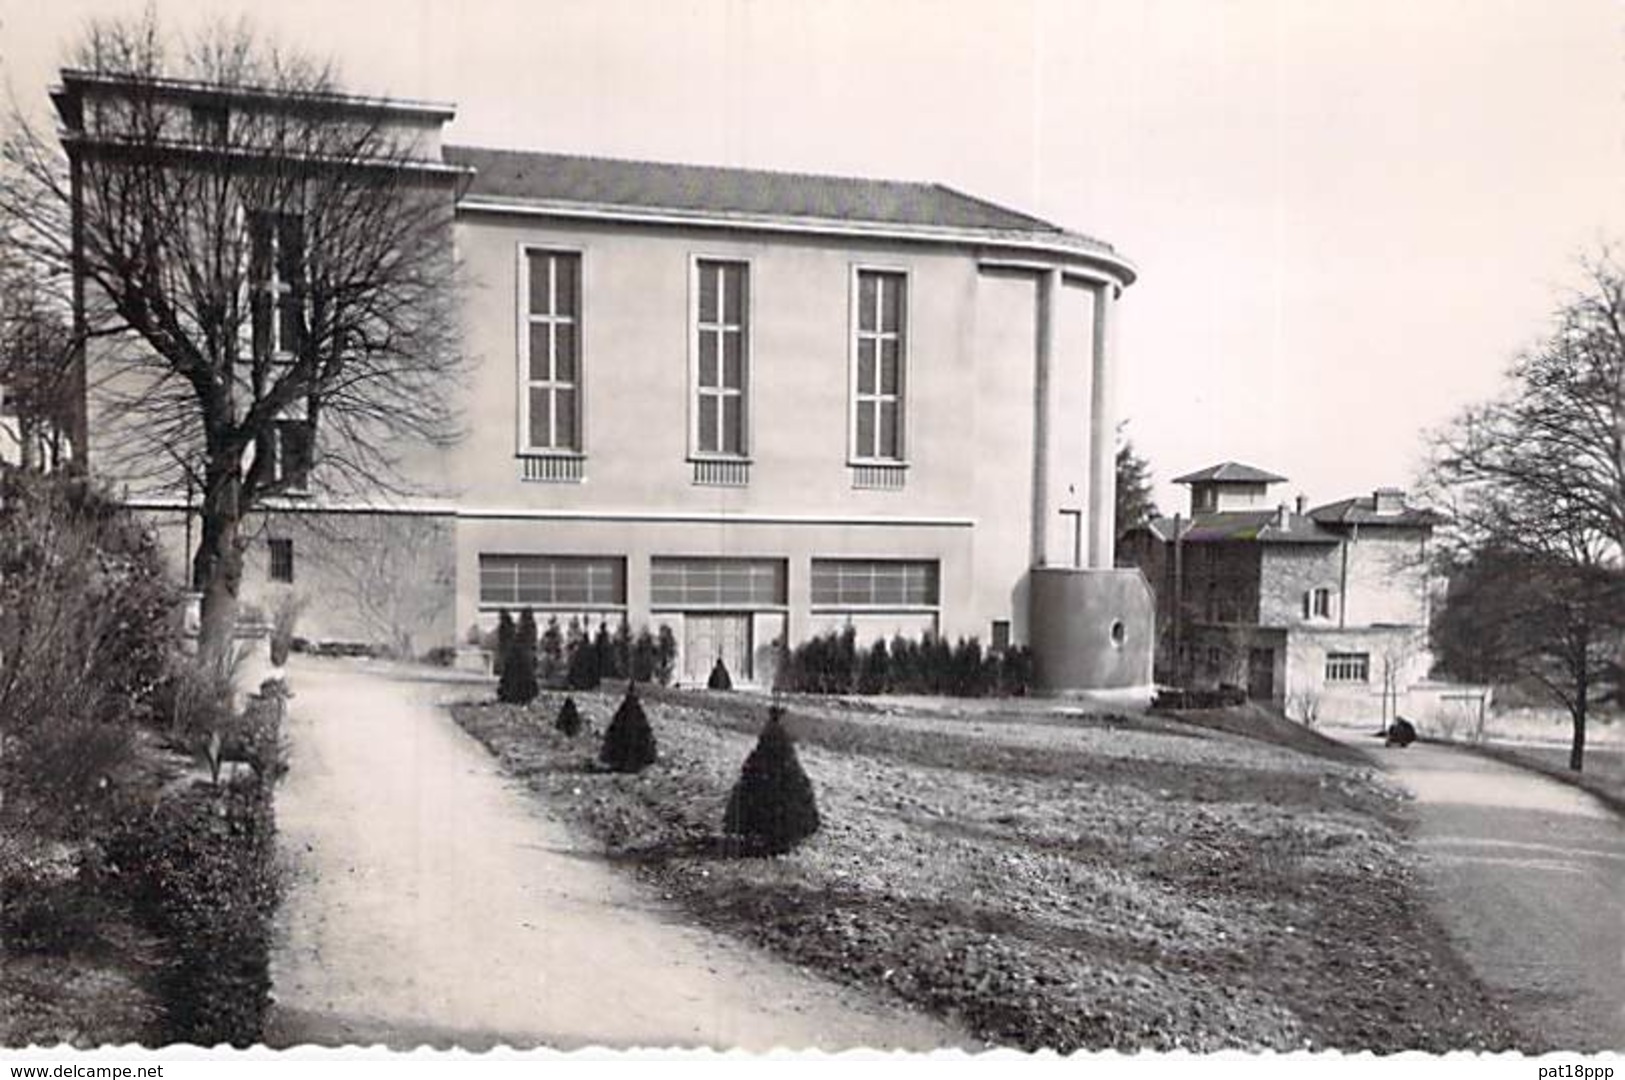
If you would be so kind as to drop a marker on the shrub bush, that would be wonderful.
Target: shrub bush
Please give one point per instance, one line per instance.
(87, 622)
(833, 663)
(719, 679)
(603, 647)
(645, 657)
(629, 744)
(201, 873)
(517, 685)
(621, 647)
(665, 655)
(772, 803)
(552, 653)
(584, 672)
(504, 642)
(569, 718)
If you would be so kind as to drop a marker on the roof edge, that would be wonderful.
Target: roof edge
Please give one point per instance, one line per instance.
(1054, 243)
(198, 87)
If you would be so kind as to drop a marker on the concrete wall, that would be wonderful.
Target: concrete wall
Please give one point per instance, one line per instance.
(1387, 577)
(1092, 629)
(372, 578)
(969, 411)
(1397, 653)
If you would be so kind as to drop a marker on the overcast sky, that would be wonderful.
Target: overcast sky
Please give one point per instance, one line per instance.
(1348, 217)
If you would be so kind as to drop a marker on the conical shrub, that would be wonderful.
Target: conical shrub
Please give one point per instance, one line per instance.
(719, 680)
(518, 683)
(772, 803)
(629, 744)
(569, 718)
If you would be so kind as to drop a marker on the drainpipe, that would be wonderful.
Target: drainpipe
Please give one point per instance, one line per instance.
(1343, 579)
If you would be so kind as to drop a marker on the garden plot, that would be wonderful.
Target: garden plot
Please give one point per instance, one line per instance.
(1065, 882)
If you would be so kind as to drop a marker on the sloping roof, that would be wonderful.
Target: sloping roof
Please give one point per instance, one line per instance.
(594, 181)
(1242, 526)
(1363, 511)
(1230, 472)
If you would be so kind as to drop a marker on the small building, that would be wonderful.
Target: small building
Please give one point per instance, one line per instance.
(1321, 612)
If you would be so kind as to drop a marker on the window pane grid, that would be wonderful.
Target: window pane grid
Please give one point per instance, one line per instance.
(874, 583)
(1348, 667)
(879, 391)
(720, 329)
(552, 580)
(552, 367)
(680, 582)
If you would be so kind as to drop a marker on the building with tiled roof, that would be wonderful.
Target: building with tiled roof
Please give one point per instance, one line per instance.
(751, 406)
(1321, 611)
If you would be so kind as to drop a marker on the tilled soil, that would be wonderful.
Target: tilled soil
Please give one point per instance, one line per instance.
(1103, 882)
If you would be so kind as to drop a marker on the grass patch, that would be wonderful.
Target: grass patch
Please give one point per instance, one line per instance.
(1108, 883)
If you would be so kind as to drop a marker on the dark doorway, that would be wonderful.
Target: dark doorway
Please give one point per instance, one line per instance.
(1261, 674)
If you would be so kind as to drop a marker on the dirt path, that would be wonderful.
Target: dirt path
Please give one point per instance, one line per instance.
(1528, 875)
(430, 902)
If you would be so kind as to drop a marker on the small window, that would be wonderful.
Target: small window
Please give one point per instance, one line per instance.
(1348, 667)
(1317, 604)
(282, 560)
(1001, 635)
(208, 123)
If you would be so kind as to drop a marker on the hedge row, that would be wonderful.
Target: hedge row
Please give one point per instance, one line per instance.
(567, 657)
(835, 664)
(201, 873)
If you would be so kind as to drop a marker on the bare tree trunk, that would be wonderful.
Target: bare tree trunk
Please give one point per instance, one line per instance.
(1578, 713)
(219, 560)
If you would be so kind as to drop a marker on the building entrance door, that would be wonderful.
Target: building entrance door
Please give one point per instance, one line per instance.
(1261, 674)
(708, 636)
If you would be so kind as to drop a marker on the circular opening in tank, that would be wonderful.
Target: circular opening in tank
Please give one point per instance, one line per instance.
(1118, 633)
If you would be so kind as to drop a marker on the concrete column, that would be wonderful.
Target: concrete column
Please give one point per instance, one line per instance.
(1103, 436)
(1049, 301)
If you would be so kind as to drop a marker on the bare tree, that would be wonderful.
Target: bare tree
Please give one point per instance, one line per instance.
(263, 272)
(1535, 485)
(37, 399)
(391, 573)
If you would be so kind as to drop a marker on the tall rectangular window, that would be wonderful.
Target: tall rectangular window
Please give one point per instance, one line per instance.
(879, 355)
(276, 268)
(550, 348)
(294, 449)
(721, 343)
(282, 560)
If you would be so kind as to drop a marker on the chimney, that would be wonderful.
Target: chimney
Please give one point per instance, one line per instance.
(1388, 500)
(1283, 518)
(1303, 504)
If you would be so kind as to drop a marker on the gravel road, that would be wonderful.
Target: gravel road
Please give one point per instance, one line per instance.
(1528, 875)
(429, 902)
